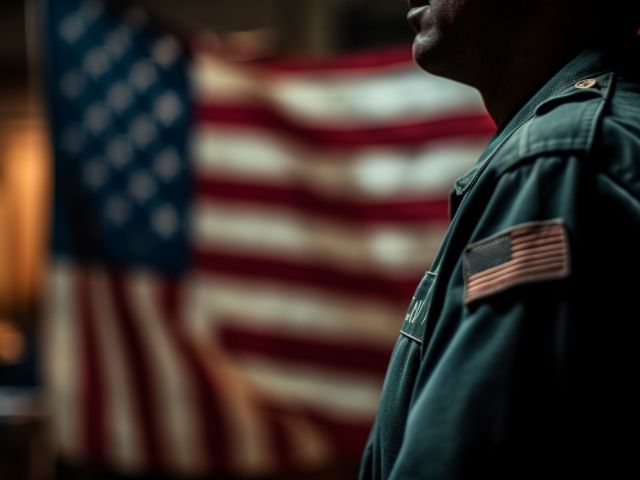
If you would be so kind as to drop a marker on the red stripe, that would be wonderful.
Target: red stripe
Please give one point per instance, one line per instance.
(140, 367)
(280, 442)
(397, 289)
(407, 134)
(298, 198)
(348, 436)
(512, 277)
(93, 388)
(344, 65)
(519, 265)
(213, 429)
(342, 355)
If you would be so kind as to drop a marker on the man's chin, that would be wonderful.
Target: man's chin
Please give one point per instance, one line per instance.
(421, 44)
(425, 55)
(432, 57)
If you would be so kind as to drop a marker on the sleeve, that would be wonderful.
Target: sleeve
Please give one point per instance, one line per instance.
(528, 382)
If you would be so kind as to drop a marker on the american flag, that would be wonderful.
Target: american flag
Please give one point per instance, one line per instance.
(526, 253)
(234, 245)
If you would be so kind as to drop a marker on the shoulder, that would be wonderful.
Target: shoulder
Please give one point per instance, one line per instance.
(567, 122)
(616, 149)
(596, 120)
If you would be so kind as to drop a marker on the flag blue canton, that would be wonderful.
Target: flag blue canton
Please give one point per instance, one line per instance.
(119, 101)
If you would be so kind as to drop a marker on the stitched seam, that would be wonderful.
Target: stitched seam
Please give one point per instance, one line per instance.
(411, 337)
(598, 113)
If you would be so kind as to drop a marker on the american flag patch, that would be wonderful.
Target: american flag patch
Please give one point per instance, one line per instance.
(530, 252)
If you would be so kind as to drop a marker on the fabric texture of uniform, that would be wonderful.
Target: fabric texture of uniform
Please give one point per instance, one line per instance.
(535, 378)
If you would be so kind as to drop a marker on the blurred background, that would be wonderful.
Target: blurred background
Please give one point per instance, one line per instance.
(212, 215)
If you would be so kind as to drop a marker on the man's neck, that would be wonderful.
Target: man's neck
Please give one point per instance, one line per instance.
(520, 78)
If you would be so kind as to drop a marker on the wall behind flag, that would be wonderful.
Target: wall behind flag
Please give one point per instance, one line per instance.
(24, 167)
(24, 208)
(23, 190)
(316, 27)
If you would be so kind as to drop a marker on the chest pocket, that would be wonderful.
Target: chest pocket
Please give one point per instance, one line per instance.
(414, 323)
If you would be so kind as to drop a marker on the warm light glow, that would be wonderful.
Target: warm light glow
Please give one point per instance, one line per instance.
(11, 343)
(24, 210)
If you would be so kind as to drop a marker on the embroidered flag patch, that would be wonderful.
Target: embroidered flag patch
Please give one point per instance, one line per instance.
(526, 253)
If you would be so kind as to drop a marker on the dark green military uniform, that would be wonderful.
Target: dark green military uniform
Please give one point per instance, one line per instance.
(517, 357)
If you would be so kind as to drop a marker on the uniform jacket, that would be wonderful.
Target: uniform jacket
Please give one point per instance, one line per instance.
(516, 358)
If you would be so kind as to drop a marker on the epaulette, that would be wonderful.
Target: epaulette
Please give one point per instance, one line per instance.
(566, 122)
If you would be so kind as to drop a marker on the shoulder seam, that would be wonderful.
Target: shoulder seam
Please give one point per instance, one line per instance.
(552, 155)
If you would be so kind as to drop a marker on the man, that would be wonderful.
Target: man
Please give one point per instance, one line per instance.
(516, 357)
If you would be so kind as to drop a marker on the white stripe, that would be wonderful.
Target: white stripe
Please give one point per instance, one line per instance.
(62, 357)
(298, 310)
(341, 395)
(173, 385)
(309, 445)
(396, 94)
(276, 232)
(247, 433)
(399, 92)
(123, 426)
(224, 151)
